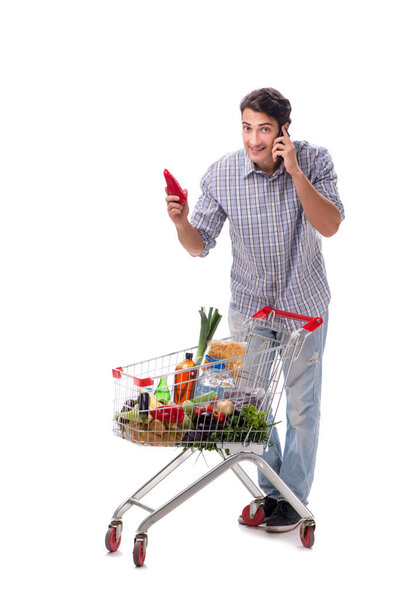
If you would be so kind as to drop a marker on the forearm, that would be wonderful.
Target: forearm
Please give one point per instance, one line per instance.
(190, 239)
(320, 212)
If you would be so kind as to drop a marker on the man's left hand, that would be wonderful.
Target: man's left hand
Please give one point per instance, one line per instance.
(284, 147)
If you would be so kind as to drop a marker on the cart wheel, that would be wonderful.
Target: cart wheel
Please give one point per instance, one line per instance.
(307, 535)
(139, 553)
(256, 520)
(111, 541)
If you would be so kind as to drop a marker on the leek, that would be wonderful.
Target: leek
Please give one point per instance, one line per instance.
(208, 327)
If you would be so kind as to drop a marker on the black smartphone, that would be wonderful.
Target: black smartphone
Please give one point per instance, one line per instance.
(280, 134)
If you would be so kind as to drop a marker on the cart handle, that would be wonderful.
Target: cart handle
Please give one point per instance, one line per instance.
(312, 322)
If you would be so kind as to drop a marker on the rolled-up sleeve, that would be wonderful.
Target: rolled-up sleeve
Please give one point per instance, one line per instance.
(208, 216)
(325, 180)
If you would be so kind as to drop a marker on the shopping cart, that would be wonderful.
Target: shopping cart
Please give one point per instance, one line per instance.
(232, 410)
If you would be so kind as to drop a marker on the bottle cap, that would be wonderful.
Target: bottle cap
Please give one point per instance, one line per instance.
(189, 355)
(219, 365)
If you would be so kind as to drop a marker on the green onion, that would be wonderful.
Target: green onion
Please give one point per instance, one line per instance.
(208, 328)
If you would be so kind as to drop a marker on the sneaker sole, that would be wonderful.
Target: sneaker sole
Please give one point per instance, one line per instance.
(281, 528)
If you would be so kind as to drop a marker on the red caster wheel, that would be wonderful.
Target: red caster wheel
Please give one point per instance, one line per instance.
(111, 539)
(139, 552)
(253, 521)
(307, 535)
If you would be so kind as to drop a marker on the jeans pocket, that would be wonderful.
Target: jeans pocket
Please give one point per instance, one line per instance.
(236, 321)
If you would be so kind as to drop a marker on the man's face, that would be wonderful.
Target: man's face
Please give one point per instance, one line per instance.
(259, 132)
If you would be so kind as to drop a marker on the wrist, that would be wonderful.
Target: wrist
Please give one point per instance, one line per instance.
(190, 239)
(183, 227)
(297, 174)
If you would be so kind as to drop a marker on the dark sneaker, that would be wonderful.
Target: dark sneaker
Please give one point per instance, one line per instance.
(268, 506)
(283, 518)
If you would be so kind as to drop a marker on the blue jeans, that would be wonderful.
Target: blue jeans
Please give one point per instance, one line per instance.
(295, 466)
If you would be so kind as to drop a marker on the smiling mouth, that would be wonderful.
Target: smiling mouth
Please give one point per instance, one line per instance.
(256, 150)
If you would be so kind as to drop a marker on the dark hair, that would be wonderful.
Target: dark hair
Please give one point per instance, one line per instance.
(268, 101)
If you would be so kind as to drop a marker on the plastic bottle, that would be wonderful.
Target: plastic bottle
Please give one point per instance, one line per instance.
(215, 378)
(184, 382)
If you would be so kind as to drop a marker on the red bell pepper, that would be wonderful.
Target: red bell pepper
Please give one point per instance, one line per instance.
(174, 188)
(169, 414)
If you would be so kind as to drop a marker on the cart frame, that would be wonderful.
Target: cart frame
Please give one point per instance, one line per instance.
(238, 453)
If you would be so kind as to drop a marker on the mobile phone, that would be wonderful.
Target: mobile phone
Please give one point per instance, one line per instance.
(174, 188)
(280, 134)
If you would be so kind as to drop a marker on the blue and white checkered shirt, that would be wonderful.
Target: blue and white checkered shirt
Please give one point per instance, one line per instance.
(277, 257)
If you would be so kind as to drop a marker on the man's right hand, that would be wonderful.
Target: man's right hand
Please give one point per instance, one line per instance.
(177, 212)
(188, 236)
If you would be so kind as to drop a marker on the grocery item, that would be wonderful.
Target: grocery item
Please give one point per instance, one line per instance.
(227, 351)
(226, 407)
(168, 414)
(215, 378)
(246, 397)
(204, 399)
(153, 403)
(213, 427)
(162, 392)
(174, 189)
(156, 433)
(184, 382)
(129, 416)
(208, 328)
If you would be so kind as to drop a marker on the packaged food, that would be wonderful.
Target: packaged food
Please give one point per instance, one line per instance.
(215, 379)
(226, 351)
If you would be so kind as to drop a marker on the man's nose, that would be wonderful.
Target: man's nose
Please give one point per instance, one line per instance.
(254, 138)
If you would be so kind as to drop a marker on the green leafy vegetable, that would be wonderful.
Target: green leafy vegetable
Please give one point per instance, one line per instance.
(250, 426)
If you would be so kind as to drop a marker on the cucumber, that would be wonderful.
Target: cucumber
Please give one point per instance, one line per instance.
(208, 397)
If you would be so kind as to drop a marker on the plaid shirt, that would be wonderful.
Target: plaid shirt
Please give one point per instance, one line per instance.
(277, 257)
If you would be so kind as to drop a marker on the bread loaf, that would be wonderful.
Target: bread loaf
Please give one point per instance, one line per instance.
(227, 351)
(156, 433)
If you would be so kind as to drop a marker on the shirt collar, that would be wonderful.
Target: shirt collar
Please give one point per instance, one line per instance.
(250, 167)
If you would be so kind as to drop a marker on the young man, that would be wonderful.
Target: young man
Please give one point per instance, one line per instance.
(278, 197)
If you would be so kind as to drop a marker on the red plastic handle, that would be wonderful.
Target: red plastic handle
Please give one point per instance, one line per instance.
(117, 372)
(139, 382)
(174, 189)
(146, 382)
(312, 322)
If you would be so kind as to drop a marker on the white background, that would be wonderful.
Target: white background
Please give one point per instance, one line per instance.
(97, 99)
